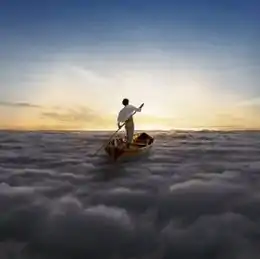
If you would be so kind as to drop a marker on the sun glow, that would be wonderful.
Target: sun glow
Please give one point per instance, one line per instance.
(183, 99)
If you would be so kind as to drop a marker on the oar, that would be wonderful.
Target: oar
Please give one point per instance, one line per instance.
(115, 133)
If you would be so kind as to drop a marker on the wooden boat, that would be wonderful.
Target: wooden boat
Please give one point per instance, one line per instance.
(117, 148)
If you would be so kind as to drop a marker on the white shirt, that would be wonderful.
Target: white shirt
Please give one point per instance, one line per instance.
(126, 113)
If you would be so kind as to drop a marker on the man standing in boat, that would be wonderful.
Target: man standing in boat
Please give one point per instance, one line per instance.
(126, 116)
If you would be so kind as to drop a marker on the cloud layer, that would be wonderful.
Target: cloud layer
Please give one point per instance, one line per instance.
(196, 195)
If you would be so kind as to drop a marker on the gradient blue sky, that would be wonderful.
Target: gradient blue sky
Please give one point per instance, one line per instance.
(193, 63)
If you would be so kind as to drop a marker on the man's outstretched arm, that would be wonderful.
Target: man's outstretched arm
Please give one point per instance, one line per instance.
(139, 109)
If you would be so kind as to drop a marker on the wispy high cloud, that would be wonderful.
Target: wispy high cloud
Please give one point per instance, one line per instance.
(253, 102)
(76, 117)
(82, 114)
(38, 116)
(19, 104)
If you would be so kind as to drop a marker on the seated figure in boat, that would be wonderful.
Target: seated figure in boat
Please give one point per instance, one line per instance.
(125, 116)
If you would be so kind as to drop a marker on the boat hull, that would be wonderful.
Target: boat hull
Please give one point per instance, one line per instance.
(117, 149)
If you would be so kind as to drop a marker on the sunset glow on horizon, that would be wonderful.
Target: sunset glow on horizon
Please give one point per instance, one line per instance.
(193, 65)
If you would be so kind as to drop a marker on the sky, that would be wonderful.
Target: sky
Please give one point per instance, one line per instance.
(69, 64)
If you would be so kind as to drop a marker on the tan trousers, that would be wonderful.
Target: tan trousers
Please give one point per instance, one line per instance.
(129, 127)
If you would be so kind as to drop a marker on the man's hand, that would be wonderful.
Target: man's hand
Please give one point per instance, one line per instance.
(140, 108)
(118, 125)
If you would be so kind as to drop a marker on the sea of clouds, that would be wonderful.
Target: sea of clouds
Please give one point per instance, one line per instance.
(196, 195)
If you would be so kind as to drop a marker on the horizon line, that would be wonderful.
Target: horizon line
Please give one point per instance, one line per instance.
(224, 129)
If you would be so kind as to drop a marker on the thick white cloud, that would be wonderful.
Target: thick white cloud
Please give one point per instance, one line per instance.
(195, 196)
